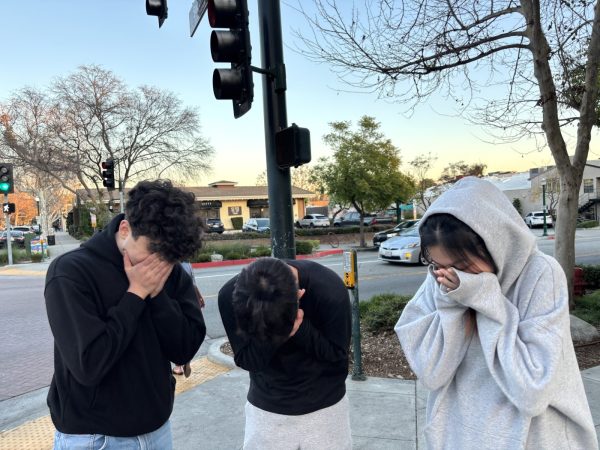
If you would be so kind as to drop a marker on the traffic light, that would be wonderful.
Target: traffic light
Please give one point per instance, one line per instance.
(234, 47)
(108, 174)
(292, 147)
(7, 182)
(157, 8)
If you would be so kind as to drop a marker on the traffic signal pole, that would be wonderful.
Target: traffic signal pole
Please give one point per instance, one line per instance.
(275, 119)
(8, 234)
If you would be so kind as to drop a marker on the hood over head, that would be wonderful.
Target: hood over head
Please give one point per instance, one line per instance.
(489, 213)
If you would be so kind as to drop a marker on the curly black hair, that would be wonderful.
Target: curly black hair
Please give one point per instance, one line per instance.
(166, 215)
(265, 301)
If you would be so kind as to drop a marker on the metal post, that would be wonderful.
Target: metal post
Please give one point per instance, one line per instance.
(8, 234)
(275, 119)
(357, 370)
(545, 233)
(398, 212)
(121, 197)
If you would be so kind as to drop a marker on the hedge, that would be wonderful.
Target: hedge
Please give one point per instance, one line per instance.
(591, 276)
(237, 250)
(382, 312)
(588, 224)
(298, 232)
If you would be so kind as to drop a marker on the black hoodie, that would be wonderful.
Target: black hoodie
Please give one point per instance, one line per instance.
(308, 372)
(112, 350)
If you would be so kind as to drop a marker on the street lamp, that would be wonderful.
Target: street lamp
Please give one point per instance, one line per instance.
(545, 233)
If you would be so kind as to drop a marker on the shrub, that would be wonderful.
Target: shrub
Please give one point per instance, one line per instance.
(588, 308)
(382, 312)
(588, 224)
(18, 255)
(202, 257)
(261, 250)
(591, 276)
(36, 257)
(237, 222)
(233, 255)
(304, 247)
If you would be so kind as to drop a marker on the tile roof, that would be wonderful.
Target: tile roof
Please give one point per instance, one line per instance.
(222, 193)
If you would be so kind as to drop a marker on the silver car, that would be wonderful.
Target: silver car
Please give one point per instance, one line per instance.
(404, 248)
(314, 220)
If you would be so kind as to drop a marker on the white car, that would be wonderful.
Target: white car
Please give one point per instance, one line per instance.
(314, 220)
(536, 219)
(259, 225)
(404, 248)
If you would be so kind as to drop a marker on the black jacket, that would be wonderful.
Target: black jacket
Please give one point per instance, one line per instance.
(112, 350)
(308, 372)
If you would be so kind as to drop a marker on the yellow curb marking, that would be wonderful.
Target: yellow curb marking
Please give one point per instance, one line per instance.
(33, 273)
(38, 434)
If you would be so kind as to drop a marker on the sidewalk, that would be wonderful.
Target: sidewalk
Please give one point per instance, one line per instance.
(209, 412)
(64, 243)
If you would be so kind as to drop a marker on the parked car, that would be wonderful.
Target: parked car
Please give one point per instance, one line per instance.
(17, 238)
(405, 248)
(352, 218)
(314, 220)
(25, 229)
(214, 226)
(536, 218)
(257, 225)
(384, 235)
(384, 217)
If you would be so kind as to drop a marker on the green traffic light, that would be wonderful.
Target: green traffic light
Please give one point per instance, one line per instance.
(4, 187)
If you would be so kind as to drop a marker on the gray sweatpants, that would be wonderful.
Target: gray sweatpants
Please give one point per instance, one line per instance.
(325, 429)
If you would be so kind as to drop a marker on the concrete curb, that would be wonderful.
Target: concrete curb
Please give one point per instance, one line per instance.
(216, 356)
(237, 262)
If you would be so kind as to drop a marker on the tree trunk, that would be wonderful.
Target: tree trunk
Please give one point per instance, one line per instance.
(362, 231)
(564, 245)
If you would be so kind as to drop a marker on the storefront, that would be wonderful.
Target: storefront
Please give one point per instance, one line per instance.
(226, 201)
(210, 209)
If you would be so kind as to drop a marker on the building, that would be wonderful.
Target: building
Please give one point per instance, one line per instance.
(225, 200)
(546, 179)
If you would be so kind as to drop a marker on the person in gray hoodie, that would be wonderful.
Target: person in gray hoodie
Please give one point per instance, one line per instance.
(488, 332)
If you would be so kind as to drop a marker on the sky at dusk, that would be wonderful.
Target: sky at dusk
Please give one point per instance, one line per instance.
(44, 39)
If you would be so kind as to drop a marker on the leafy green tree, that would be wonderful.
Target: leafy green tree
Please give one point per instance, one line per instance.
(364, 170)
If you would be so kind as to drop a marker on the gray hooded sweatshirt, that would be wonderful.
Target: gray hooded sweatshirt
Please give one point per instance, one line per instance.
(515, 382)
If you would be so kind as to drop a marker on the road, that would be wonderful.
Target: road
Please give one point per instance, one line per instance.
(26, 351)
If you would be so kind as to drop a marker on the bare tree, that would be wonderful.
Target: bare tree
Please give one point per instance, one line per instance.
(90, 116)
(146, 131)
(412, 48)
(421, 165)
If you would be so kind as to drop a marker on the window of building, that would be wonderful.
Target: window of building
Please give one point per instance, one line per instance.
(588, 186)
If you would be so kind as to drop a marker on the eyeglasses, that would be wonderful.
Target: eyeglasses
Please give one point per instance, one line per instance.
(464, 267)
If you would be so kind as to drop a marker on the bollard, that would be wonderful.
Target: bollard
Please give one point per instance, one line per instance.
(351, 282)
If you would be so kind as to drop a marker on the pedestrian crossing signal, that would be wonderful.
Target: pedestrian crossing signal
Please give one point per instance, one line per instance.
(8, 208)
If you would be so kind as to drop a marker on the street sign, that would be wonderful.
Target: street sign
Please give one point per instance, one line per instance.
(197, 11)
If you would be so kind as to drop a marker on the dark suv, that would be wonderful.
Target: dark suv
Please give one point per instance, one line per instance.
(214, 226)
(384, 235)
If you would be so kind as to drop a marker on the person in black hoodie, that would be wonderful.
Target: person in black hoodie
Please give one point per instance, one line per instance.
(121, 309)
(289, 325)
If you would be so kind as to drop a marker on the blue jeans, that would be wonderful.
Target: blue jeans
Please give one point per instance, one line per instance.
(160, 439)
